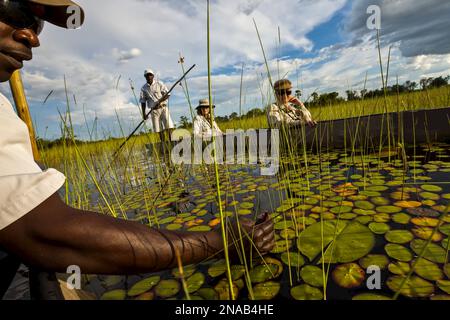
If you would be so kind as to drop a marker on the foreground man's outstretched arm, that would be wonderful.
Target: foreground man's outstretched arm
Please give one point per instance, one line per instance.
(54, 236)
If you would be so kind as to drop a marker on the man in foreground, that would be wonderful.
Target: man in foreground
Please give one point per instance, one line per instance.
(37, 227)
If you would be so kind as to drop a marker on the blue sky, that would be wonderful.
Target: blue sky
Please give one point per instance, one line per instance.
(325, 46)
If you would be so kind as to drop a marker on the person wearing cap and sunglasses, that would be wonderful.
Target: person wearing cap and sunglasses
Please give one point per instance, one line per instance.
(288, 111)
(37, 227)
(202, 122)
(151, 97)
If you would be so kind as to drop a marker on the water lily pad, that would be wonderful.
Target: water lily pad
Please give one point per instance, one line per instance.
(312, 275)
(425, 222)
(288, 234)
(223, 290)
(263, 273)
(399, 268)
(143, 286)
(366, 205)
(423, 212)
(349, 275)
(380, 201)
(364, 212)
(283, 224)
(429, 196)
(427, 233)
(147, 296)
(118, 294)
(200, 229)
(208, 294)
(348, 216)
(187, 271)
(370, 296)
(341, 209)
(431, 188)
(428, 270)
(379, 260)
(293, 259)
(266, 290)
(167, 288)
(398, 252)
(217, 268)
(388, 209)
(382, 217)
(408, 204)
(433, 252)
(353, 241)
(444, 285)
(414, 287)
(399, 236)
(364, 219)
(306, 292)
(195, 282)
(379, 227)
(445, 229)
(401, 218)
(174, 226)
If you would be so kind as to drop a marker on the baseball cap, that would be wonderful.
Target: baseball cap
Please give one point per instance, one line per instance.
(148, 71)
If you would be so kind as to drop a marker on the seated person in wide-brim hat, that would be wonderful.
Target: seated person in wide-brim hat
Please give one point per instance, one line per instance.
(202, 122)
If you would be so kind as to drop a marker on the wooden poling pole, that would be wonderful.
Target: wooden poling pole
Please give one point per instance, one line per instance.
(23, 111)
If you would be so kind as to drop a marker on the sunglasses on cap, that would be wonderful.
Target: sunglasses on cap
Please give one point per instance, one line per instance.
(19, 15)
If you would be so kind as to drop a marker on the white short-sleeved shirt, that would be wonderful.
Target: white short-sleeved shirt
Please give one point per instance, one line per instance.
(150, 94)
(23, 185)
(202, 127)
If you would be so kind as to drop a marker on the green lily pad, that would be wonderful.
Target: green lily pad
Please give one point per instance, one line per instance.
(237, 271)
(167, 288)
(288, 234)
(217, 268)
(433, 252)
(363, 212)
(263, 273)
(187, 271)
(370, 296)
(388, 209)
(365, 205)
(364, 219)
(381, 217)
(379, 227)
(306, 292)
(266, 290)
(399, 268)
(147, 296)
(282, 246)
(200, 229)
(380, 201)
(401, 218)
(208, 293)
(293, 259)
(223, 290)
(423, 212)
(398, 252)
(348, 216)
(445, 229)
(341, 209)
(429, 196)
(399, 236)
(312, 275)
(428, 270)
(283, 225)
(379, 260)
(118, 294)
(353, 241)
(246, 205)
(143, 286)
(444, 285)
(174, 226)
(430, 188)
(349, 275)
(195, 282)
(447, 270)
(414, 287)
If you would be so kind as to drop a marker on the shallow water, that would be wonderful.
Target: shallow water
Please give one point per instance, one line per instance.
(366, 194)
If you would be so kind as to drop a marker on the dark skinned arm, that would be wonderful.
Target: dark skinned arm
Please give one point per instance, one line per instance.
(54, 236)
(143, 106)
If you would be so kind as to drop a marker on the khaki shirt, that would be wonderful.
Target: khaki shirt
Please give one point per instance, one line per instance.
(23, 185)
(278, 116)
(202, 127)
(150, 94)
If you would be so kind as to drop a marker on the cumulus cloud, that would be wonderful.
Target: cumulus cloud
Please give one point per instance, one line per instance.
(124, 56)
(421, 27)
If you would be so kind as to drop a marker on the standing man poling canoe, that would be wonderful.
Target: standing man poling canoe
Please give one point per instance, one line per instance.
(152, 94)
(38, 228)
